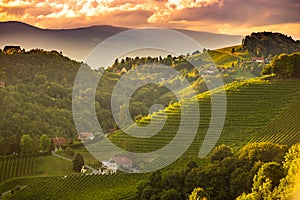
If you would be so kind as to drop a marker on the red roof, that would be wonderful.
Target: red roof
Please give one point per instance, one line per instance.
(121, 160)
(85, 135)
(257, 58)
(59, 141)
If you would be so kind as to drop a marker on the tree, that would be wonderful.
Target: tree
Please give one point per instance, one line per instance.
(232, 50)
(51, 146)
(78, 162)
(264, 151)
(44, 142)
(221, 152)
(198, 194)
(170, 194)
(271, 171)
(27, 146)
(14, 148)
(284, 66)
(289, 187)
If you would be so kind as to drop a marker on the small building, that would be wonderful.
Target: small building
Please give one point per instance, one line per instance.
(58, 141)
(123, 161)
(108, 167)
(2, 84)
(257, 59)
(84, 136)
(10, 49)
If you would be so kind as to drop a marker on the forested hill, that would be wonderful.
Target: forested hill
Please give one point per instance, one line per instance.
(35, 97)
(268, 44)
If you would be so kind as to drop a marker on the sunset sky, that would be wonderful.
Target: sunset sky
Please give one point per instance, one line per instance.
(219, 16)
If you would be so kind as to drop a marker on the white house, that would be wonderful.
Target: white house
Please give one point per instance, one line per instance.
(84, 136)
(108, 167)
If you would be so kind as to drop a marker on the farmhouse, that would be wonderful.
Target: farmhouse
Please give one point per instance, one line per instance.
(84, 136)
(122, 161)
(108, 167)
(58, 141)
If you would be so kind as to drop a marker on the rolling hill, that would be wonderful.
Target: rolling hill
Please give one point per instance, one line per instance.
(254, 106)
(37, 95)
(77, 43)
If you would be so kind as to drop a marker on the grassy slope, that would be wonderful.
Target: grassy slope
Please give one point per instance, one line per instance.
(51, 165)
(224, 57)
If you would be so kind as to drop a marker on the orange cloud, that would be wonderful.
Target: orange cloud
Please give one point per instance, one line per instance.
(222, 16)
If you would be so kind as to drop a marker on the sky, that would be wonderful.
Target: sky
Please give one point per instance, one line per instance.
(239, 17)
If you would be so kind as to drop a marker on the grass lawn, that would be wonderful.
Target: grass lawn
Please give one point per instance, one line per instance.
(89, 159)
(51, 165)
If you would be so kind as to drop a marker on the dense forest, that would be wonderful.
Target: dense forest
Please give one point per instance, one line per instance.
(268, 44)
(36, 92)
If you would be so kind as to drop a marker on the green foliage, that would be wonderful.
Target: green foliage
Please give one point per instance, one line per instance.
(44, 142)
(274, 181)
(270, 44)
(264, 152)
(37, 95)
(221, 152)
(27, 145)
(289, 185)
(268, 176)
(222, 180)
(198, 194)
(78, 162)
(170, 194)
(284, 66)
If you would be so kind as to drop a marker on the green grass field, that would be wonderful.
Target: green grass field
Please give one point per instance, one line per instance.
(50, 165)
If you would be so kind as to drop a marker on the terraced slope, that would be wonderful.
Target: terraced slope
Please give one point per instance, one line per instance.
(285, 129)
(251, 106)
(119, 186)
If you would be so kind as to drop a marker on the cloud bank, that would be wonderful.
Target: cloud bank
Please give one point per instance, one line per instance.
(221, 16)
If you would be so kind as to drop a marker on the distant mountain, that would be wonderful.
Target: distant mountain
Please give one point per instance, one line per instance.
(77, 43)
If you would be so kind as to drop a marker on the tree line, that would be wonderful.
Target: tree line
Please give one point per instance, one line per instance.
(257, 171)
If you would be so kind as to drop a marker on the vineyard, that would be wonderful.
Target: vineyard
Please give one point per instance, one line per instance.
(16, 167)
(285, 129)
(257, 110)
(251, 107)
(118, 186)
